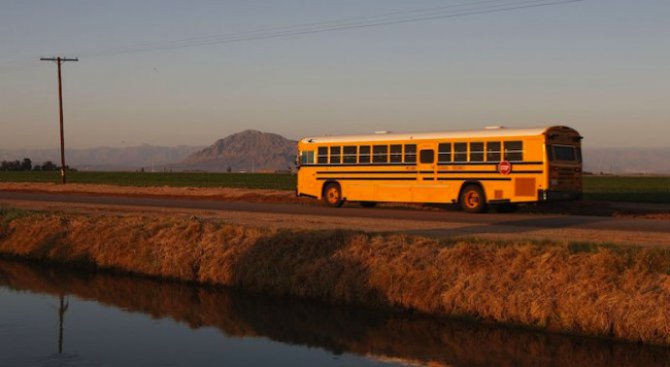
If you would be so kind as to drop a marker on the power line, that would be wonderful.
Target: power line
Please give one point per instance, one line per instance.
(299, 27)
(389, 18)
(482, 7)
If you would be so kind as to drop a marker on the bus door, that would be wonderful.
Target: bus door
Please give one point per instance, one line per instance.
(426, 165)
(426, 188)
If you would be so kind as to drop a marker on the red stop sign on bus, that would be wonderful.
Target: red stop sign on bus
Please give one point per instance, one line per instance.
(505, 167)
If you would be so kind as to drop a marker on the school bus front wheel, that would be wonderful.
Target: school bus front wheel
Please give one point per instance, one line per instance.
(332, 195)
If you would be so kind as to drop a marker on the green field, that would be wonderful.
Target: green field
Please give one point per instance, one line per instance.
(645, 189)
(613, 188)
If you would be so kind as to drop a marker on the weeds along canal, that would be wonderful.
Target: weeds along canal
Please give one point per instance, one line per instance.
(57, 316)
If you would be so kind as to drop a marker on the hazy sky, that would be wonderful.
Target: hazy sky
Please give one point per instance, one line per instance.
(601, 66)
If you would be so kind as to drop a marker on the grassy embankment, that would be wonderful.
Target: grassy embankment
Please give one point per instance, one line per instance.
(612, 188)
(607, 291)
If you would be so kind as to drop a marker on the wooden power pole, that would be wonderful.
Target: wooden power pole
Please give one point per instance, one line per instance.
(59, 61)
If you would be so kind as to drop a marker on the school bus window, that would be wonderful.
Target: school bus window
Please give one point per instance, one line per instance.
(513, 150)
(476, 152)
(410, 153)
(578, 150)
(493, 151)
(427, 156)
(444, 153)
(364, 154)
(460, 152)
(307, 157)
(550, 152)
(564, 153)
(396, 153)
(335, 155)
(349, 154)
(322, 155)
(380, 153)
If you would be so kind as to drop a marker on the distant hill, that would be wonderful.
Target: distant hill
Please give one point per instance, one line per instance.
(253, 150)
(106, 158)
(249, 150)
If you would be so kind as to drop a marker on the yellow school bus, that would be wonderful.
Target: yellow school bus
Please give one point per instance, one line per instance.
(475, 169)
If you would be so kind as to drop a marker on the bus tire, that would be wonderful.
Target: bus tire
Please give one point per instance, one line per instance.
(368, 204)
(473, 199)
(332, 195)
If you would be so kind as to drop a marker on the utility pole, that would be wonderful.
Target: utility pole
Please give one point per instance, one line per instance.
(59, 61)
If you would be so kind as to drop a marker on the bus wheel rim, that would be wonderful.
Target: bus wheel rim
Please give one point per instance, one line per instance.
(333, 196)
(472, 199)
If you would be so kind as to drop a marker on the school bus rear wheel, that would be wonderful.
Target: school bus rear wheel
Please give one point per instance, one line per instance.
(472, 199)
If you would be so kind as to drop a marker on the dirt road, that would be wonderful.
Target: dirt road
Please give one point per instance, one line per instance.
(433, 223)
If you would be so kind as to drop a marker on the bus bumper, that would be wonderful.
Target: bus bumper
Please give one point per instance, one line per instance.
(554, 195)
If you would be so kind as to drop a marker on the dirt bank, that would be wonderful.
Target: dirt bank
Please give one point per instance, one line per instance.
(618, 292)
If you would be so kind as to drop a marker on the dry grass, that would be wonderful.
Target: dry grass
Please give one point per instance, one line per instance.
(618, 292)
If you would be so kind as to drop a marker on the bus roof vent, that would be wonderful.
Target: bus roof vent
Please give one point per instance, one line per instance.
(494, 127)
(382, 132)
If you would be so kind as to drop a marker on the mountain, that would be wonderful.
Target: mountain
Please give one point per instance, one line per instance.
(106, 158)
(249, 150)
(253, 150)
(627, 160)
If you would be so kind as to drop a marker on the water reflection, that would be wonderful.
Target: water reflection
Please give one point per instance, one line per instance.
(383, 336)
(63, 305)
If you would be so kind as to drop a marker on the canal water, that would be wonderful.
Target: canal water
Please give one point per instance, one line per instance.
(55, 317)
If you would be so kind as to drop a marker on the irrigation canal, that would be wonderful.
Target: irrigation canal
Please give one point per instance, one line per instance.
(57, 317)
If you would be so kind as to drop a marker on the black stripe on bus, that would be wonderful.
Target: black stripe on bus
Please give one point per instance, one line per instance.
(373, 172)
(357, 164)
(415, 178)
(474, 178)
(486, 163)
(439, 172)
(368, 178)
(413, 164)
(478, 172)
(366, 172)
